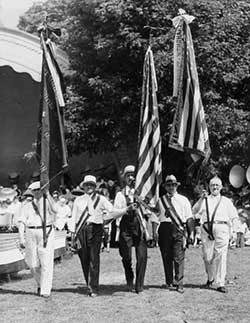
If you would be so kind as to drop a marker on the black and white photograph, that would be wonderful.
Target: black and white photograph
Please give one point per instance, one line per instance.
(124, 161)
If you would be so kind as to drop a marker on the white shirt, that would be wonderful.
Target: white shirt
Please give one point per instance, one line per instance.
(225, 211)
(181, 205)
(103, 208)
(120, 199)
(29, 216)
(63, 213)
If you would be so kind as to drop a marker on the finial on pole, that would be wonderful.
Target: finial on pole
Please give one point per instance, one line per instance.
(47, 29)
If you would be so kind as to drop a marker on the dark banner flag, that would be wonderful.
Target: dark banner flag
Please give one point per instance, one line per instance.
(149, 164)
(51, 147)
(189, 131)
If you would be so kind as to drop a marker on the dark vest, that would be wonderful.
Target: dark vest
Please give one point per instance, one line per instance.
(129, 222)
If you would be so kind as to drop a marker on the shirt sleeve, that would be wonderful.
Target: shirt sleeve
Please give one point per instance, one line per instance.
(198, 211)
(119, 202)
(23, 214)
(106, 204)
(233, 214)
(72, 220)
(187, 209)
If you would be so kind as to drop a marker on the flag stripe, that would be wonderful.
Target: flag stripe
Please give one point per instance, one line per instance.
(189, 130)
(149, 144)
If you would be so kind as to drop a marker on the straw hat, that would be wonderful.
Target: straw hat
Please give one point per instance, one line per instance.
(7, 193)
(88, 179)
(128, 169)
(35, 186)
(171, 179)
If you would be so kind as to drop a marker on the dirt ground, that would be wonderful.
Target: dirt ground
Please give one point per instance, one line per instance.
(69, 303)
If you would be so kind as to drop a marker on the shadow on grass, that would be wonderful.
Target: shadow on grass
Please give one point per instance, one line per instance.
(7, 278)
(15, 292)
(115, 290)
(194, 286)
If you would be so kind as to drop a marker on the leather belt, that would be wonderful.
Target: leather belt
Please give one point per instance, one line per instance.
(218, 222)
(39, 227)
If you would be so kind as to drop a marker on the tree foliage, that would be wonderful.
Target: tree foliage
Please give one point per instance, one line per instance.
(106, 42)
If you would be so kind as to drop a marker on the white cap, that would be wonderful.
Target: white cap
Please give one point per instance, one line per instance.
(129, 169)
(88, 179)
(35, 186)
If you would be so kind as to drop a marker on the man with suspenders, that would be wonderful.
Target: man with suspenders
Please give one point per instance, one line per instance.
(218, 218)
(88, 217)
(175, 216)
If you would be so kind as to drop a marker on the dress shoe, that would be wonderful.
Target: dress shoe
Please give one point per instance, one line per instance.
(171, 287)
(209, 284)
(222, 289)
(45, 296)
(93, 295)
(180, 289)
(130, 287)
(138, 291)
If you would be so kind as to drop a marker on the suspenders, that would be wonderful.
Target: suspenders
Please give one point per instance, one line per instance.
(209, 228)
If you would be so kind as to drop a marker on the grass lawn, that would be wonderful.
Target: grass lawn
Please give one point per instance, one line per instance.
(69, 303)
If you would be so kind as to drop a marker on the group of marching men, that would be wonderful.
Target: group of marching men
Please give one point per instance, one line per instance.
(91, 211)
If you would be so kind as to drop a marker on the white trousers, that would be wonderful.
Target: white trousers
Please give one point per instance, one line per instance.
(215, 253)
(39, 259)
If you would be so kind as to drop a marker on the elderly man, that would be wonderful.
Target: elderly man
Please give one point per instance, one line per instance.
(217, 216)
(88, 215)
(175, 217)
(39, 257)
(131, 234)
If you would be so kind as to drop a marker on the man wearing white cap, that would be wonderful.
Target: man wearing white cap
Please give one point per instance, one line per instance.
(175, 217)
(39, 258)
(131, 234)
(88, 215)
(218, 218)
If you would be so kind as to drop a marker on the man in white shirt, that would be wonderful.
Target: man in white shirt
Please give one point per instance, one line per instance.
(39, 258)
(218, 218)
(88, 215)
(131, 234)
(175, 216)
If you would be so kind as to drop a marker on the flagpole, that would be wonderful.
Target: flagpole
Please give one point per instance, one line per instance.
(44, 221)
(51, 147)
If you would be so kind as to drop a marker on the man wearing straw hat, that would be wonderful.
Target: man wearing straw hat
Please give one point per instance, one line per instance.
(90, 212)
(176, 218)
(39, 258)
(131, 234)
(218, 218)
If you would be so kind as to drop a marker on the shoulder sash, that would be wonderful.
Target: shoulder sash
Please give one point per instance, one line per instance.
(172, 213)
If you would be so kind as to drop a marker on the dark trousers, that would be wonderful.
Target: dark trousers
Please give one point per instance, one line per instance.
(240, 241)
(126, 241)
(90, 239)
(171, 243)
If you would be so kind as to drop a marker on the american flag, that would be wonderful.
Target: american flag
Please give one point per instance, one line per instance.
(189, 130)
(149, 168)
(51, 147)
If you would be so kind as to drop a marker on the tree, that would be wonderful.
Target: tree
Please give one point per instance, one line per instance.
(106, 42)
